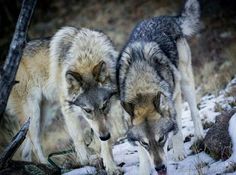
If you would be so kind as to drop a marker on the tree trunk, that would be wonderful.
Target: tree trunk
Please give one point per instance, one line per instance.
(8, 73)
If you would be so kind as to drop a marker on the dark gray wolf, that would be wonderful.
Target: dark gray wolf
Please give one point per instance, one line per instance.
(153, 69)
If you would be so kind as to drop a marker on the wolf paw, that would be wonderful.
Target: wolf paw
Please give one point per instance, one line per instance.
(83, 158)
(84, 161)
(83, 155)
(198, 137)
(114, 171)
(95, 161)
(198, 131)
(179, 156)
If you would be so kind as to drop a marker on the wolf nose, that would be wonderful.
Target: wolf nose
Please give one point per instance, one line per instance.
(106, 137)
(161, 169)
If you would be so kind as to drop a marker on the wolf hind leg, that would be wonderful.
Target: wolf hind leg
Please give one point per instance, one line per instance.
(190, 97)
(187, 84)
(177, 139)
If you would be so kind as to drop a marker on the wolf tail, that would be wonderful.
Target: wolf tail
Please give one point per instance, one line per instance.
(189, 18)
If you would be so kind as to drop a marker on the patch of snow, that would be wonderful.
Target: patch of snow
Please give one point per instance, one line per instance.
(232, 133)
(82, 171)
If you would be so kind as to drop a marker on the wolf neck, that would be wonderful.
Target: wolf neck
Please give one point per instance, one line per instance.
(148, 70)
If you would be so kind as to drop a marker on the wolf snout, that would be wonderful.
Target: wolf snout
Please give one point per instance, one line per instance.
(105, 137)
(161, 170)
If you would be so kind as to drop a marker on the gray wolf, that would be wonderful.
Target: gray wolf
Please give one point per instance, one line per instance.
(76, 69)
(153, 69)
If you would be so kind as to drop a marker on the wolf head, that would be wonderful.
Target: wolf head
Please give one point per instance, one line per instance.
(84, 61)
(152, 134)
(152, 124)
(96, 103)
(146, 86)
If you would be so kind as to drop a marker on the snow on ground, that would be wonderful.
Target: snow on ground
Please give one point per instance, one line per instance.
(82, 171)
(200, 163)
(232, 133)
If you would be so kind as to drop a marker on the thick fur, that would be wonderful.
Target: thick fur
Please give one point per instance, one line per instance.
(153, 69)
(73, 62)
(189, 18)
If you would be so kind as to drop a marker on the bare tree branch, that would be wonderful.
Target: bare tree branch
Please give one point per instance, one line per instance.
(8, 73)
(10, 150)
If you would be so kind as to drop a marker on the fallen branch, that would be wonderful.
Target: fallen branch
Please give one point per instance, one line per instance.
(28, 168)
(14, 145)
(8, 73)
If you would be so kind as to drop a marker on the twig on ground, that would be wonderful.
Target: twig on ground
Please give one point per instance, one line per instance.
(17, 140)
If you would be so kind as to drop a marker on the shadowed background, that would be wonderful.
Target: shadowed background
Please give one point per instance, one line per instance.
(213, 49)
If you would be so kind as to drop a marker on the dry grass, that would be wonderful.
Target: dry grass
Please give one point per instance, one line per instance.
(199, 166)
(212, 77)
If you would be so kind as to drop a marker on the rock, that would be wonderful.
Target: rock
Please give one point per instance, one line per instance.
(217, 141)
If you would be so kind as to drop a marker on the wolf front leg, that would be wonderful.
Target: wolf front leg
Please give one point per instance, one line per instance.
(187, 84)
(144, 161)
(74, 128)
(108, 161)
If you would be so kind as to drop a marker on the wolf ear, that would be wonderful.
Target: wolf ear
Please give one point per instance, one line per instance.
(128, 107)
(157, 102)
(100, 72)
(160, 102)
(73, 79)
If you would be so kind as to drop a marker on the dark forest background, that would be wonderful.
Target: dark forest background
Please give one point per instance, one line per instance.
(213, 49)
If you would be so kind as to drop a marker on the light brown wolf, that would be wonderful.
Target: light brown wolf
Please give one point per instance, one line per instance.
(75, 68)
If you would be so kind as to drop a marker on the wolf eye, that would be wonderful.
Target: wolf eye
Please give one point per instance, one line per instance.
(144, 143)
(104, 105)
(104, 108)
(89, 111)
(162, 139)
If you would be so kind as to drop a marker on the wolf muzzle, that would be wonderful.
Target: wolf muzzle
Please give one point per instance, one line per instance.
(161, 170)
(106, 137)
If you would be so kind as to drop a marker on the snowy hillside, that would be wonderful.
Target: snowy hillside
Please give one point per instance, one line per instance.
(200, 163)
